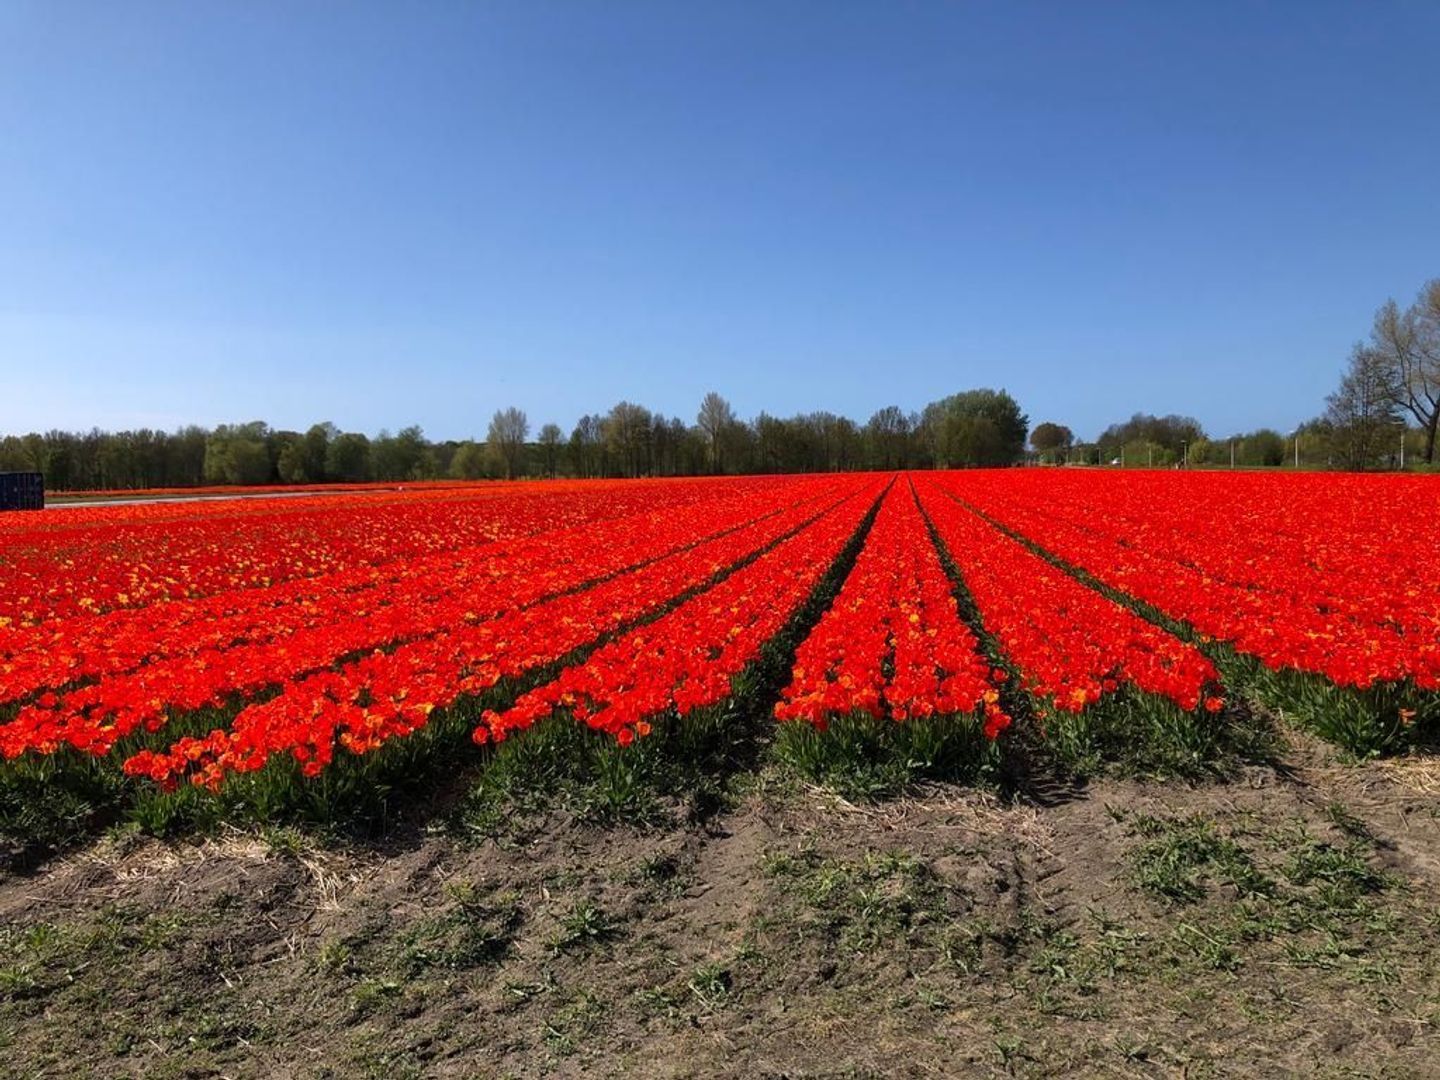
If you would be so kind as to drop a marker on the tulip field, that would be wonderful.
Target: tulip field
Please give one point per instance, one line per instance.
(179, 644)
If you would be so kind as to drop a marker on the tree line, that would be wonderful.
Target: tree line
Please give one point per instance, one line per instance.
(973, 428)
(1147, 441)
(1384, 414)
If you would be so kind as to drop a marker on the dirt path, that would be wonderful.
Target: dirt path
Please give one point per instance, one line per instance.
(1287, 923)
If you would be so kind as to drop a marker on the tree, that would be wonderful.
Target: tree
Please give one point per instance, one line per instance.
(977, 427)
(550, 437)
(715, 417)
(1049, 439)
(348, 458)
(1408, 344)
(627, 436)
(234, 454)
(290, 461)
(1263, 447)
(887, 438)
(317, 449)
(402, 456)
(1171, 433)
(1362, 414)
(508, 429)
(587, 447)
(770, 439)
(468, 461)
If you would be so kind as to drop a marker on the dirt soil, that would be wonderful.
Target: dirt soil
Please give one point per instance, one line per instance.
(1287, 923)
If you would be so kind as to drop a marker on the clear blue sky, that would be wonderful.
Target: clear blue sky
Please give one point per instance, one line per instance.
(416, 213)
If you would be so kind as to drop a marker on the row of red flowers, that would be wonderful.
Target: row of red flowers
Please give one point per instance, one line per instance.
(893, 643)
(1071, 645)
(364, 704)
(364, 606)
(83, 562)
(686, 659)
(95, 716)
(1316, 574)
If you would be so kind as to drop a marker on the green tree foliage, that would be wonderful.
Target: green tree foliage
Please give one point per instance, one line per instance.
(1170, 434)
(1263, 447)
(290, 460)
(237, 454)
(977, 427)
(587, 447)
(402, 456)
(887, 436)
(715, 419)
(982, 427)
(550, 441)
(506, 440)
(627, 434)
(348, 458)
(468, 461)
(317, 450)
(1051, 440)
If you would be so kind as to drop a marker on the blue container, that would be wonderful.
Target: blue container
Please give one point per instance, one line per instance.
(22, 491)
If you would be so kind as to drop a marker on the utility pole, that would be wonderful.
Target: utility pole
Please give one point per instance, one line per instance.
(1232, 455)
(1402, 448)
(1297, 449)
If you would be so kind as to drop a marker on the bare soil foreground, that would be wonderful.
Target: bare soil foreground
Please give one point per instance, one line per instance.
(1283, 923)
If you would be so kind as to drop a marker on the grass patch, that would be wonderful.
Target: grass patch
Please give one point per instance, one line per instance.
(862, 904)
(861, 757)
(478, 930)
(1179, 856)
(585, 924)
(570, 1026)
(43, 958)
(1313, 902)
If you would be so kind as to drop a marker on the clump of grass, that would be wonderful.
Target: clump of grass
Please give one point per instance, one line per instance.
(862, 757)
(1179, 856)
(711, 984)
(586, 923)
(477, 929)
(1315, 901)
(861, 904)
(569, 1026)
